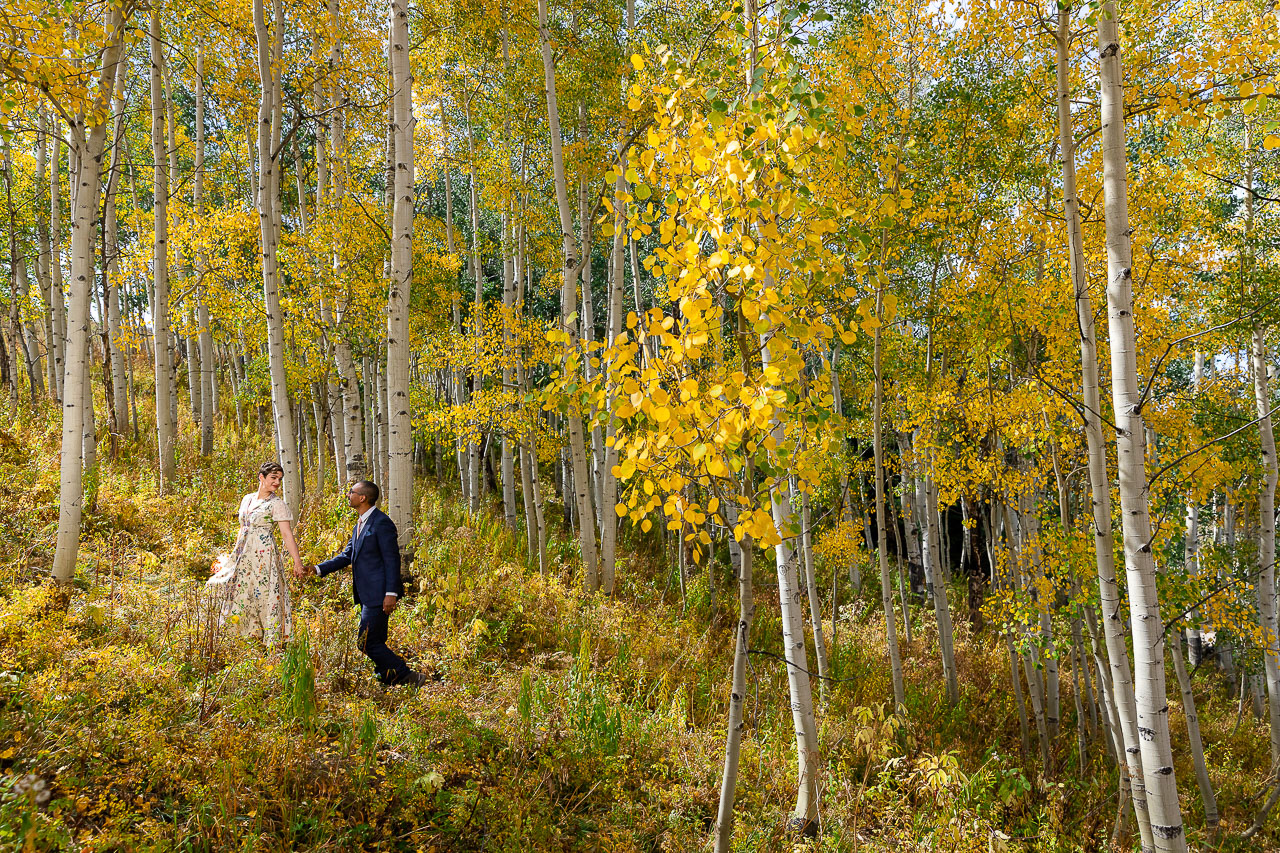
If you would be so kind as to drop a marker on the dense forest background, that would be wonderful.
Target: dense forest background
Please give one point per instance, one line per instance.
(809, 425)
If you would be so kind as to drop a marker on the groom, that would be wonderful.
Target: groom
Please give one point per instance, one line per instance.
(374, 557)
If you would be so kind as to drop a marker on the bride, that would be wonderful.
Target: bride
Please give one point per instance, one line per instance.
(250, 582)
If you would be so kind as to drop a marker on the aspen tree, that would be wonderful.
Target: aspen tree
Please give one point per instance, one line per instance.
(207, 377)
(89, 141)
(166, 438)
(804, 817)
(1122, 701)
(56, 303)
(740, 554)
(568, 312)
(1144, 605)
(400, 436)
(1266, 582)
(882, 521)
(117, 399)
(475, 484)
(44, 256)
(269, 49)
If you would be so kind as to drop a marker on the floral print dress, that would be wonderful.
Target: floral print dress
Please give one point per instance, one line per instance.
(250, 586)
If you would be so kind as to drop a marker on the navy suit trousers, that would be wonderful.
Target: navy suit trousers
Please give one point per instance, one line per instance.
(391, 668)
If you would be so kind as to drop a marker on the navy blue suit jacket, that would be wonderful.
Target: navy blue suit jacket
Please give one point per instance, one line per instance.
(374, 559)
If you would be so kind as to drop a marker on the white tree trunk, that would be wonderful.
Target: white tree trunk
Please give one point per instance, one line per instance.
(935, 586)
(166, 439)
(568, 308)
(1144, 604)
(882, 519)
(804, 817)
(1266, 584)
(400, 436)
(204, 340)
(1119, 684)
(90, 142)
(117, 401)
(269, 47)
(57, 304)
(1207, 796)
(741, 556)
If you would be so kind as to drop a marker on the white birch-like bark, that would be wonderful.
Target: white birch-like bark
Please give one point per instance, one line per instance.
(568, 310)
(1191, 541)
(1031, 525)
(935, 586)
(89, 143)
(1144, 604)
(1119, 683)
(17, 341)
(204, 339)
(811, 589)
(882, 521)
(474, 474)
(740, 554)
(44, 256)
(166, 438)
(1207, 797)
(400, 426)
(57, 300)
(269, 48)
(608, 480)
(805, 815)
(1266, 583)
(506, 464)
(118, 402)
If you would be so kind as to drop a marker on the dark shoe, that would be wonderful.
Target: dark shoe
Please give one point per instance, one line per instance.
(415, 680)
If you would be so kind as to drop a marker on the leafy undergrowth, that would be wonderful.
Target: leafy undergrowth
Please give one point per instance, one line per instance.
(130, 721)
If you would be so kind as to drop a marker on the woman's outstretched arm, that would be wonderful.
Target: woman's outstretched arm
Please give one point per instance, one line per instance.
(290, 545)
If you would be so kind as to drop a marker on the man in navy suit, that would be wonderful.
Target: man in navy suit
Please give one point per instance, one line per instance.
(374, 557)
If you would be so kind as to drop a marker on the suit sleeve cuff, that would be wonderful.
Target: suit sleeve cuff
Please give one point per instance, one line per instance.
(317, 571)
(394, 594)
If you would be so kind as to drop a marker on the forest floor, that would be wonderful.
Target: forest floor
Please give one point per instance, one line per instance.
(553, 721)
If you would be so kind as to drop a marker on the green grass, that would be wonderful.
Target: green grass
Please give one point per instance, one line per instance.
(556, 721)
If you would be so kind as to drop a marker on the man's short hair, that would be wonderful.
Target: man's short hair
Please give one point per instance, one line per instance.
(370, 490)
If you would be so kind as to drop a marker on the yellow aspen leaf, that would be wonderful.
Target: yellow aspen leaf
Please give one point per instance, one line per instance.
(636, 62)
(620, 509)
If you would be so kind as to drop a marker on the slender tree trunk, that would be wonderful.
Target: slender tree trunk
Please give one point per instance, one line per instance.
(804, 818)
(206, 378)
(57, 303)
(90, 142)
(1193, 738)
(1119, 683)
(166, 438)
(269, 119)
(1144, 604)
(118, 402)
(740, 555)
(568, 308)
(400, 437)
(882, 525)
(609, 481)
(811, 589)
(474, 479)
(936, 588)
(1266, 583)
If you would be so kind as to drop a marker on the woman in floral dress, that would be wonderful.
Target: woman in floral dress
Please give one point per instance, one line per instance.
(250, 584)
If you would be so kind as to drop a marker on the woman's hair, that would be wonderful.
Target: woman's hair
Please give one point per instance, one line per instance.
(269, 468)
